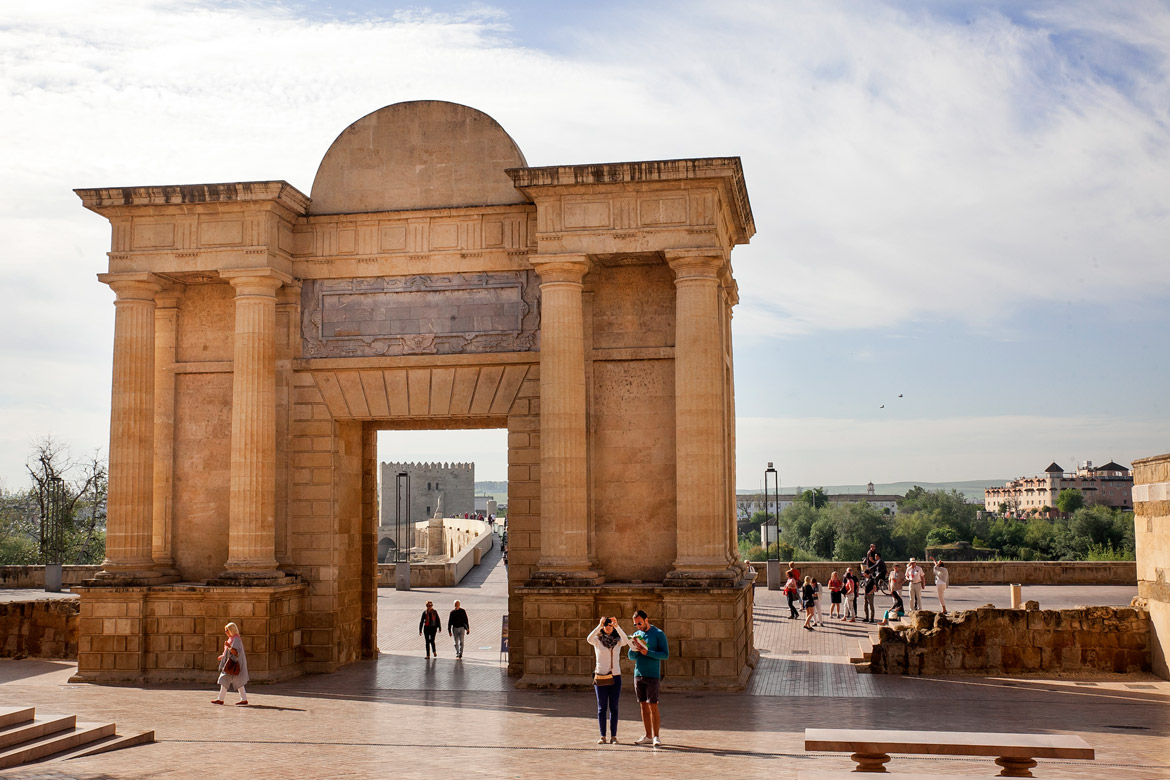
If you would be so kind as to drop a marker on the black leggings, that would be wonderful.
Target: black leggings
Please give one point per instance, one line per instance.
(792, 604)
(429, 636)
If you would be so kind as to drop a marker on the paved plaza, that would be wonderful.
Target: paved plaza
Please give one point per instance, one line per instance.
(402, 716)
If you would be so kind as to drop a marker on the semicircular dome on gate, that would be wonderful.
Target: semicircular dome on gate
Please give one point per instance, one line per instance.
(422, 154)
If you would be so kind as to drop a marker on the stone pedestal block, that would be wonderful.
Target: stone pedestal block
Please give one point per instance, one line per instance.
(173, 633)
(1151, 503)
(708, 632)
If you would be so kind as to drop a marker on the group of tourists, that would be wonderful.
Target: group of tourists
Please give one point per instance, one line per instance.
(843, 591)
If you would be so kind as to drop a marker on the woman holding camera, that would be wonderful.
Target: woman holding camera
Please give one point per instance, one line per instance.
(607, 640)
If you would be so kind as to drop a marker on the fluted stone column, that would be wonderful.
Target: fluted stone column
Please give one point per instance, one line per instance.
(166, 321)
(700, 449)
(564, 515)
(129, 507)
(252, 498)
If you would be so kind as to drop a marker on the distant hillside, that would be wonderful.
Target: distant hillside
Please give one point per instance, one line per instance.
(497, 490)
(971, 489)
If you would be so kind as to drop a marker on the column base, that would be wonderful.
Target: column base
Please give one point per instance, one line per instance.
(246, 578)
(133, 577)
(560, 577)
(683, 577)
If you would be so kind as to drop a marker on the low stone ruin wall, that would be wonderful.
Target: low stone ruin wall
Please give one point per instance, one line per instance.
(991, 572)
(45, 628)
(1084, 640)
(34, 576)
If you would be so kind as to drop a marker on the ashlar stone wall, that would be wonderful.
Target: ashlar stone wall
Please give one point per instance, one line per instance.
(45, 628)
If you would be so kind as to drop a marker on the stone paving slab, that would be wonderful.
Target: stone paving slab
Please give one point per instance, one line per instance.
(402, 716)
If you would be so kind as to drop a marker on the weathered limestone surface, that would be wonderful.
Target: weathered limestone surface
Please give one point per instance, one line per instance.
(46, 628)
(1012, 641)
(1151, 503)
(432, 281)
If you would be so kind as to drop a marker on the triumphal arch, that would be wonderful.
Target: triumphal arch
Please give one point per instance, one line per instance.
(432, 280)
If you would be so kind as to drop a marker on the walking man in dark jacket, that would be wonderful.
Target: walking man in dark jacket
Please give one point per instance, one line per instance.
(457, 626)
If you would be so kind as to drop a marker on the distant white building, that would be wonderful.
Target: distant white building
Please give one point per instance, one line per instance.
(747, 504)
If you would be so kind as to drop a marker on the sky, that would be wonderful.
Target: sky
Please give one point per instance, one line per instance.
(960, 269)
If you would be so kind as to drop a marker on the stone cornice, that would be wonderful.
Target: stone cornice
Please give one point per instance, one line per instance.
(116, 201)
(728, 170)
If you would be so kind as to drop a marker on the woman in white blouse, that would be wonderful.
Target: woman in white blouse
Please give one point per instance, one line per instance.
(607, 640)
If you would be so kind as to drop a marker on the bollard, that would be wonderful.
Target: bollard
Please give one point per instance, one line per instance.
(774, 581)
(1017, 595)
(52, 578)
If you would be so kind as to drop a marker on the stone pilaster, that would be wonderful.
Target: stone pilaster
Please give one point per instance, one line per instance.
(166, 321)
(564, 513)
(703, 557)
(252, 500)
(129, 522)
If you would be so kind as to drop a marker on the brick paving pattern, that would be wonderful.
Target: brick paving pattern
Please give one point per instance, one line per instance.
(402, 716)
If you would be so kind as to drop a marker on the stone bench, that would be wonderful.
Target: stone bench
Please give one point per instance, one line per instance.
(1015, 753)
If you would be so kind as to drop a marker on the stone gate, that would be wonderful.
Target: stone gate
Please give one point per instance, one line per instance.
(432, 280)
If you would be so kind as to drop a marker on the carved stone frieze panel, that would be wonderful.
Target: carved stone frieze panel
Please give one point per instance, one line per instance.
(439, 314)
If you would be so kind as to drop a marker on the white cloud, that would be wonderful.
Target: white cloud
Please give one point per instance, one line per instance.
(900, 167)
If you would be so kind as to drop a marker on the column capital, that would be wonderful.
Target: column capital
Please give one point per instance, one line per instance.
(256, 281)
(168, 297)
(560, 268)
(133, 286)
(732, 288)
(695, 263)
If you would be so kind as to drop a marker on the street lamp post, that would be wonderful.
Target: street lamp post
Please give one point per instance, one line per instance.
(772, 476)
(401, 523)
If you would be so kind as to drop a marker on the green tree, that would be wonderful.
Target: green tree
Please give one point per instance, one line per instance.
(822, 537)
(62, 517)
(858, 526)
(1070, 500)
(942, 534)
(911, 530)
(947, 508)
(816, 498)
(796, 523)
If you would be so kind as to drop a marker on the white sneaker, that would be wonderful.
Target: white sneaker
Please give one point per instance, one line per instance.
(657, 742)
(645, 741)
(613, 740)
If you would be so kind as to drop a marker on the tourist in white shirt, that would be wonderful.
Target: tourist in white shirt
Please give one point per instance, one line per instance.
(941, 580)
(917, 578)
(607, 639)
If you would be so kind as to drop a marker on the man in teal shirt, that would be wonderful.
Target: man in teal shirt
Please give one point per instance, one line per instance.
(648, 650)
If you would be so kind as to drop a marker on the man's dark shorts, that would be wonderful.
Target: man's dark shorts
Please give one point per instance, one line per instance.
(646, 689)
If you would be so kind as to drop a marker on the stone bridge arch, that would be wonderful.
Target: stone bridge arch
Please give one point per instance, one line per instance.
(432, 280)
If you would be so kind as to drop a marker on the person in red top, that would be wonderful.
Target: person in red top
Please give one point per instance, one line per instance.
(836, 585)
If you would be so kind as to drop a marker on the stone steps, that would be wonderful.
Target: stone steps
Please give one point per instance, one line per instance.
(864, 651)
(25, 738)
